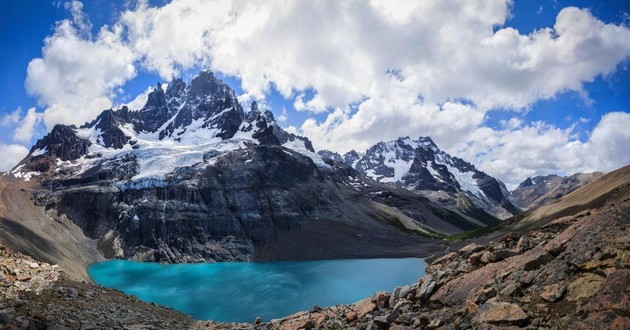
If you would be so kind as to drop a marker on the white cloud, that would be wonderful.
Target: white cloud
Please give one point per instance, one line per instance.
(24, 131)
(517, 152)
(76, 76)
(79, 18)
(11, 155)
(140, 100)
(11, 119)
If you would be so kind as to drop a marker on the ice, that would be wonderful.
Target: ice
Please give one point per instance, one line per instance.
(297, 145)
(39, 152)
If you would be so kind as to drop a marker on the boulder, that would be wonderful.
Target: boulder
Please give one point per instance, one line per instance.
(502, 313)
(553, 293)
(537, 259)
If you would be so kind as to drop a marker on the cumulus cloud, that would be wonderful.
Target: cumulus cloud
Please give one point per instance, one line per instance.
(76, 76)
(11, 119)
(11, 155)
(24, 130)
(519, 151)
(376, 69)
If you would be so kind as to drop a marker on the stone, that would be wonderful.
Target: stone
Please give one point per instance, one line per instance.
(523, 244)
(537, 259)
(553, 293)
(376, 325)
(614, 294)
(258, 320)
(351, 316)
(391, 317)
(405, 291)
(584, 287)
(470, 249)
(299, 323)
(382, 300)
(499, 255)
(502, 313)
(475, 258)
(427, 287)
(363, 307)
(510, 291)
(399, 327)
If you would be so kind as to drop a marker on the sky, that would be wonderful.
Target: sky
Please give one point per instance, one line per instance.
(518, 88)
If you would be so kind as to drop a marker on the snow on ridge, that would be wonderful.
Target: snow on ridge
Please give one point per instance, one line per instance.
(297, 145)
(39, 152)
(466, 181)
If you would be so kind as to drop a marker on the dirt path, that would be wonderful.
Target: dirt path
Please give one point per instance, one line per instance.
(27, 228)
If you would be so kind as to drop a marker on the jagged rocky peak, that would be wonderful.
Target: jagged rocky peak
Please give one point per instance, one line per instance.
(327, 154)
(419, 165)
(540, 190)
(180, 124)
(352, 157)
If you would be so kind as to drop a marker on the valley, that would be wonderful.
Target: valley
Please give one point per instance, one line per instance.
(192, 177)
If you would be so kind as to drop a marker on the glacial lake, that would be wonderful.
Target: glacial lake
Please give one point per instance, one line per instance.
(240, 291)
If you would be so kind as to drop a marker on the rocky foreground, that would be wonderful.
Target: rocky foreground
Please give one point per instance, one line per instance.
(568, 272)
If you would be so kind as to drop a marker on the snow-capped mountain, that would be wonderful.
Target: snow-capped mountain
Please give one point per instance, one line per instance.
(420, 166)
(186, 125)
(192, 176)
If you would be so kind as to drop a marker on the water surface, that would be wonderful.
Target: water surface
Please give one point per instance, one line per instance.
(240, 291)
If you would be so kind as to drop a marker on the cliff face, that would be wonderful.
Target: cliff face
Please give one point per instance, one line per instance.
(258, 196)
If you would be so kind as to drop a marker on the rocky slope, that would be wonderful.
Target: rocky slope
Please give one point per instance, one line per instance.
(563, 267)
(541, 190)
(37, 295)
(420, 166)
(568, 272)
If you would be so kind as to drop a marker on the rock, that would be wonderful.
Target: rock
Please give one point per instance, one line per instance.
(584, 287)
(523, 244)
(363, 307)
(445, 258)
(382, 300)
(405, 291)
(426, 288)
(604, 320)
(299, 323)
(258, 320)
(470, 249)
(501, 255)
(614, 295)
(485, 294)
(6, 316)
(376, 325)
(537, 259)
(391, 317)
(555, 248)
(553, 293)
(399, 327)
(351, 316)
(502, 313)
(510, 290)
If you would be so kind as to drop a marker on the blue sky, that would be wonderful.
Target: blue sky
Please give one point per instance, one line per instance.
(335, 103)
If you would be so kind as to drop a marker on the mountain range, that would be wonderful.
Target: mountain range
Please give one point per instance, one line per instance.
(192, 176)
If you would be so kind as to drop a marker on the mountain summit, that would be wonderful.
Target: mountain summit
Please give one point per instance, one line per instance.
(420, 166)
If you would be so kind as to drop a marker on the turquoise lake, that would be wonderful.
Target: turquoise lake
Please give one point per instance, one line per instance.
(240, 291)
